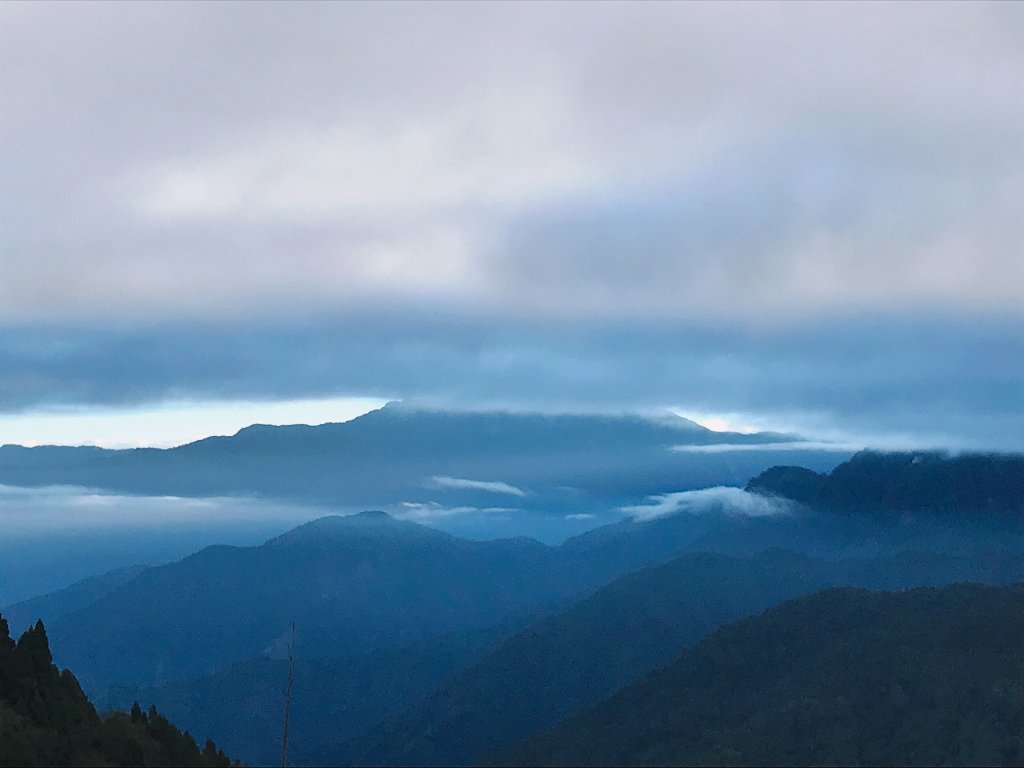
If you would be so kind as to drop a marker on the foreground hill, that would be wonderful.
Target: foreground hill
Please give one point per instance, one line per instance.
(332, 698)
(841, 677)
(350, 584)
(640, 622)
(46, 720)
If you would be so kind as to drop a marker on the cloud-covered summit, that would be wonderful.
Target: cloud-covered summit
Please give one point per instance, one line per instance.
(955, 382)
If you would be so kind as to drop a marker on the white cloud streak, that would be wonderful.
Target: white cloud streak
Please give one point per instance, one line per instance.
(429, 511)
(808, 445)
(717, 500)
(490, 486)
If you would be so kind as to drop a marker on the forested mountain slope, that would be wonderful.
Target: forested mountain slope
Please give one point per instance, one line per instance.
(641, 621)
(841, 677)
(917, 482)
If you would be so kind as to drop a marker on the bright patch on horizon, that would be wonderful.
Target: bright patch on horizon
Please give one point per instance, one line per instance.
(170, 424)
(720, 422)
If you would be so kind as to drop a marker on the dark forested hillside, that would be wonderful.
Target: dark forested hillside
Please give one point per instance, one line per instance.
(332, 698)
(46, 719)
(841, 677)
(921, 481)
(639, 622)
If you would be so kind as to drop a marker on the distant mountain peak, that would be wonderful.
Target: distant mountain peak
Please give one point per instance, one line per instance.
(372, 523)
(359, 519)
(672, 419)
(257, 427)
(373, 514)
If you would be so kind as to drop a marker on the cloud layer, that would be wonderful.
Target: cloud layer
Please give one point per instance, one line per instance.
(741, 161)
(809, 211)
(931, 380)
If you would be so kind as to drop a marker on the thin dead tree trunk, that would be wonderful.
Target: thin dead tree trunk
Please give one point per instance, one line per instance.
(288, 698)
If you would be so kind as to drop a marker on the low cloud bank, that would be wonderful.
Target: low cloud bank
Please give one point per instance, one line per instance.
(68, 509)
(788, 446)
(717, 500)
(428, 511)
(950, 382)
(53, 536)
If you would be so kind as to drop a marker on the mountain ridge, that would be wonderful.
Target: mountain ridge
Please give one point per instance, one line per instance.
(934, 482)
(842, 676)
(618, 633)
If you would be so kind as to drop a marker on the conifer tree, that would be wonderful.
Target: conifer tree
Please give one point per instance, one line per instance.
(6, 654)
(33, 651)
(137, 715)
(47, 720)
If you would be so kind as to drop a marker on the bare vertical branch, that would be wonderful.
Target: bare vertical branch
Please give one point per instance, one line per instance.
(288, 698)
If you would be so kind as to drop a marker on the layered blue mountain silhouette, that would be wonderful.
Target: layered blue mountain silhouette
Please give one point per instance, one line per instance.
(401, 454)
(417, 646)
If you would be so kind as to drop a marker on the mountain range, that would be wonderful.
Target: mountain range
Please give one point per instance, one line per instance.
(418, 463)
(437, 649)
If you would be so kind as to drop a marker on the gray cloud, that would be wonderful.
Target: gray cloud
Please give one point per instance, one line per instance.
(802, 210)
(651, 160)
(956, 382)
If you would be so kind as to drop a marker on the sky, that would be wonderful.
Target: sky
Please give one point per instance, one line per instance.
(802, 216)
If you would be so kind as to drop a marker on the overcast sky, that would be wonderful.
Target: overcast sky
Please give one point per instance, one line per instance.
(801, 215)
